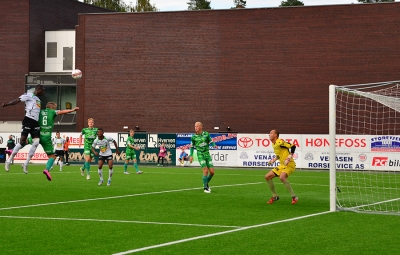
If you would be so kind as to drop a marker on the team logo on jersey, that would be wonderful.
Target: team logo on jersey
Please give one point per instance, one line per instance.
(38, 104)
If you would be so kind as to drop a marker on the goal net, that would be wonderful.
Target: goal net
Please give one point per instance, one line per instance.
(369, 114)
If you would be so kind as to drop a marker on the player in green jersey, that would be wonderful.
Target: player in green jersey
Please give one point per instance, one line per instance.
(46, 123)
(90, 134)
(130, 153)
(201, 141)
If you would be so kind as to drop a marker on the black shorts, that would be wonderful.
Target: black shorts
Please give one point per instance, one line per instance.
(30, 126)
(104, 158)
(59, 153)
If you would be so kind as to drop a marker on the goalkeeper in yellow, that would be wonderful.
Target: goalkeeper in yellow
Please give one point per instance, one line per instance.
(284, 153)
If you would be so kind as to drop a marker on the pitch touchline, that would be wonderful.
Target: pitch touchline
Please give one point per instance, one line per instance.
(124, 196)
(216, 234)
(119, 221)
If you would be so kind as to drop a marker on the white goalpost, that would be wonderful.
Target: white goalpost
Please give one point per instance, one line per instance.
(370, 115)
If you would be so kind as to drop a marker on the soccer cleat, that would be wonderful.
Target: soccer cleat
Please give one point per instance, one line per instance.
(25, 168)
(67, 164)
(100, 183)
(208, 187)
(109, 182)
(82, 172)
(158, 165)
(139, 172)
(47, 173)
(127, 173)
(88, 177)
(207, 190)
(7, 166)
(294, 200)
(273, 199)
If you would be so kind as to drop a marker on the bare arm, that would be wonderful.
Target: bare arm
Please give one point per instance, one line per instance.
(67, 111)
(13, 102)
(116, 147)
(80, 140)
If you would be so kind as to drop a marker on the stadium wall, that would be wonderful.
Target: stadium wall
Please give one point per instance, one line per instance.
(249, 69)
(22, 42)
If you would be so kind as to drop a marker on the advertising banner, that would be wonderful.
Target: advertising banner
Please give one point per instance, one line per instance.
(224, 155)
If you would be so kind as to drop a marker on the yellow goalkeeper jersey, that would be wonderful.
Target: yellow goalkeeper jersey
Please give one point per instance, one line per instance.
(281, 150)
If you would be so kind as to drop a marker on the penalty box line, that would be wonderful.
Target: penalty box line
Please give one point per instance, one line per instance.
(218, 234)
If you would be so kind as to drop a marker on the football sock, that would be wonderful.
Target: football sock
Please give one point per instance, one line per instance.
(289, 188)
(125, 167)
(87, 167)
(49, 163)
(110, 172)
(14, 152)
(205, 181)
(136, 166)
(100, 171)
(31, 152)
(83, 167)
(61, 165)
(272, 187)
(209, 177)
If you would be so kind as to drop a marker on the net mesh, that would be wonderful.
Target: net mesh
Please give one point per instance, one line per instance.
(372, 110)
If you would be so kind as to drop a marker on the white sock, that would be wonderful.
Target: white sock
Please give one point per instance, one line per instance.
(31, 152)
(61, 165)
(100, 171)
(14, 152)
(110, 172)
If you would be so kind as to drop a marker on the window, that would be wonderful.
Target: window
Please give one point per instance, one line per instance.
(60, 89)
(51, 50)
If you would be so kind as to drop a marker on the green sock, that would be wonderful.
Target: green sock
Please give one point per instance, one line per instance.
(83, 167)
(209, 177)
(205, 181)
(136, 166)
(87, 167)
(125, 167)
(49, 163)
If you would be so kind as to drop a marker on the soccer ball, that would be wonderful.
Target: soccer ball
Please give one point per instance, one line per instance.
(76, 74)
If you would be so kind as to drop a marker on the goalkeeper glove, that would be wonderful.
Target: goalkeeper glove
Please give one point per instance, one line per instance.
(287, 160)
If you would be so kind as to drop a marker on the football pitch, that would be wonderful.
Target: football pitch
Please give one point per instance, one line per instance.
(165, 211)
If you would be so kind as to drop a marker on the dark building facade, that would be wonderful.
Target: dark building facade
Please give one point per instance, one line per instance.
(22, 41)
(249, 69)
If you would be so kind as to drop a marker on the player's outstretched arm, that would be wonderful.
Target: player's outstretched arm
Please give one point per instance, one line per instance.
(13, 102)
(67, 111)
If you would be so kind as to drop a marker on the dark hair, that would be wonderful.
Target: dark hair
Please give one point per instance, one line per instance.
(100, 129)
(276, 131)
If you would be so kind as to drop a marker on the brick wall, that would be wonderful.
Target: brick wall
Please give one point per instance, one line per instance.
(14, 48)
(22, 42)
(249, 69)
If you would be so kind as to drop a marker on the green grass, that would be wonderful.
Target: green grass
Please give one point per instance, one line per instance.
(71, 215)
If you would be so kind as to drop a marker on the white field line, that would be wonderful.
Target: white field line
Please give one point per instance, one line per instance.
(216, 234)
(124, 196)
(119, 221)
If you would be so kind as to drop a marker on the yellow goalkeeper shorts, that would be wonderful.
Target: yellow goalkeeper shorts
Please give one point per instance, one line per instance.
(283, 169)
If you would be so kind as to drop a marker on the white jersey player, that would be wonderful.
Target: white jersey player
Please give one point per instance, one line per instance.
(103, 143)
(30, 124)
